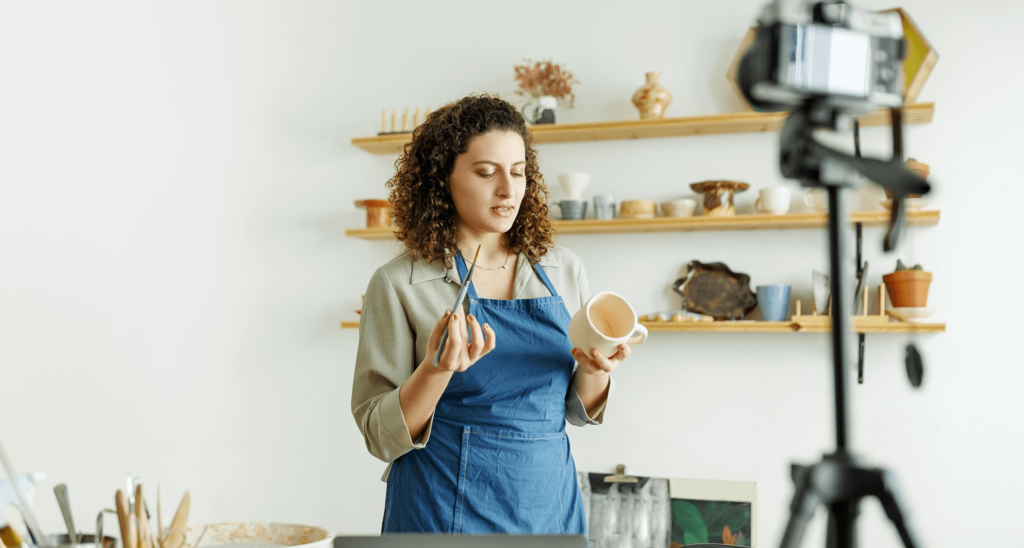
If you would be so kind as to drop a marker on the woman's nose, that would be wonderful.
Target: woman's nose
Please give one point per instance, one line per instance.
(506, 189)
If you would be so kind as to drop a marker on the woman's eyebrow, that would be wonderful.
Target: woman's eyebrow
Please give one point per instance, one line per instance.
(496, 164)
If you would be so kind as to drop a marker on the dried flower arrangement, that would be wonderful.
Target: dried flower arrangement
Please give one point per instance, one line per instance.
(545, 78)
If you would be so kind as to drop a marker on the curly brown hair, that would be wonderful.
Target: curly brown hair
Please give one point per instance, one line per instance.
(423, 210)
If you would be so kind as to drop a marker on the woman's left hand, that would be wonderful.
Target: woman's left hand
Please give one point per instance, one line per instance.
(596, 364)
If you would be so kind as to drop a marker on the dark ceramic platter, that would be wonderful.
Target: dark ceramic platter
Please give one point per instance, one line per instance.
(715, 290)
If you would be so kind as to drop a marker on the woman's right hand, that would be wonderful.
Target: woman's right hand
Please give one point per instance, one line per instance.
(459, 354)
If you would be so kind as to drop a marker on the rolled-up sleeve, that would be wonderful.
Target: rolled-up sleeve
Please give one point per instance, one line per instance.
(385, 359)
(575, 412)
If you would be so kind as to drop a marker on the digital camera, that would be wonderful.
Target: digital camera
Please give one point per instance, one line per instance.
(806, 49)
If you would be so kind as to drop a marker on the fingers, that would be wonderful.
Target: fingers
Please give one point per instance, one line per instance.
(477, 346)
(491, 341)
(435, 336)
(595, 361)
(450, 356)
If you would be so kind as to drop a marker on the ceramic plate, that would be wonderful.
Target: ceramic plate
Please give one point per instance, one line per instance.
(259, 534)
(910, 313)
(912, 204)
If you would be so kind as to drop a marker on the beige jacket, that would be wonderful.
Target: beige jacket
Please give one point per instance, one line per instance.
(403, 302)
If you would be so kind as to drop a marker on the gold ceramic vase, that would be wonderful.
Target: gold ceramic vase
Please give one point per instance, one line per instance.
(652, 99)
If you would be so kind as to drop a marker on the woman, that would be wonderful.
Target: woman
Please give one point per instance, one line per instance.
(476, 444)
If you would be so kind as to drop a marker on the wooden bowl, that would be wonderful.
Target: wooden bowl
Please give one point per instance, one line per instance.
(908, 288)
(638, 209)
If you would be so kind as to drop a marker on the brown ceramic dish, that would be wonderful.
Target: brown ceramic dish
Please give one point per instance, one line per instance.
(718, 196)
(715, 290)
(908, 288)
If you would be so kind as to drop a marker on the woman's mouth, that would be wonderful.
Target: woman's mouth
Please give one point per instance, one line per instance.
(503, 211)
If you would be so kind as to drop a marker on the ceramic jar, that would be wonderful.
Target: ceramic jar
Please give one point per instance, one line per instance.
(908, 288)
(652, 99)
(718, 196)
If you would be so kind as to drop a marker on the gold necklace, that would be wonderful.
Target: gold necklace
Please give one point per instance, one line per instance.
(505, 266)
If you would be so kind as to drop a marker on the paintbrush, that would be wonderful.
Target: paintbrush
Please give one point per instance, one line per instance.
(458, 304)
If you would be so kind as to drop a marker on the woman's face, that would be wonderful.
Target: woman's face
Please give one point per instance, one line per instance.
(488, 182)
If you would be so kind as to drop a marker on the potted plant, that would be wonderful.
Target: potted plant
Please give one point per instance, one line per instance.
(545, 83)
(908, 287)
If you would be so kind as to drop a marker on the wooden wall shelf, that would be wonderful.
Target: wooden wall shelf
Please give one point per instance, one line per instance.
(765, 327)
(737, 122)
(700, 223)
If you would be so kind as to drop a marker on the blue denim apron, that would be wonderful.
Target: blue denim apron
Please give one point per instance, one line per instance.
(498, 458)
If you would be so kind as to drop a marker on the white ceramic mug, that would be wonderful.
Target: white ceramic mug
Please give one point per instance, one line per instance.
(817, 199)
(773, 201)
(605, 322)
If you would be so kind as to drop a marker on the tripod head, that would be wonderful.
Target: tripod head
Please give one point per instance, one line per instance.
(814, 164)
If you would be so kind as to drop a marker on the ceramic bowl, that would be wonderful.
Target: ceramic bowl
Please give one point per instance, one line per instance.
(682, 207)
(909, 313)
(249, 533)
(638, 209)
(912, 204)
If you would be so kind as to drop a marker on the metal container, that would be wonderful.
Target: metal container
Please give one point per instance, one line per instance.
(85, 541)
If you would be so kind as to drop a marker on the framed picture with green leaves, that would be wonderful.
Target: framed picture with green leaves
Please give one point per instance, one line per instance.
(724, 512)
(649, 512)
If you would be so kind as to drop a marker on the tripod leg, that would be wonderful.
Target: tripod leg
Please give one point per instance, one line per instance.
(893, 506)
(801, 510)
(841, 529)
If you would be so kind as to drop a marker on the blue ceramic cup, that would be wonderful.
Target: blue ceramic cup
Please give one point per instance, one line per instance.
(773, 300)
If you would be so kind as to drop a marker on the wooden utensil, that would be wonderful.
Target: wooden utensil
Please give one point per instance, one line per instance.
(181, 515)
(173, 539)
(124, 519)
(159, 514)
(140, 513)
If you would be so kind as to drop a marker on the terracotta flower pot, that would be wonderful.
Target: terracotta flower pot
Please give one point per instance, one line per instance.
(908, 288)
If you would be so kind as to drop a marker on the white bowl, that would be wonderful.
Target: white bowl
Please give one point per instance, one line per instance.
(912, 204)
(574, 183)
(250, 534)
(909, 313)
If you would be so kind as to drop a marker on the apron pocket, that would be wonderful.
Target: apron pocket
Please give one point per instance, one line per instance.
(511, 482)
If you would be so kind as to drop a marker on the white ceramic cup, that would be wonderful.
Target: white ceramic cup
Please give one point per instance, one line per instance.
(816, 199)
(605, 322)
(773, 201)
(574, 183)
(682, 207)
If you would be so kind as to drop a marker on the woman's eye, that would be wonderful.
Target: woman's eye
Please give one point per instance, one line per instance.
(488, 175)
(517, 174)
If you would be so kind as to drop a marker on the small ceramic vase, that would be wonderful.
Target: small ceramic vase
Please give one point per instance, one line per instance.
(652, 99)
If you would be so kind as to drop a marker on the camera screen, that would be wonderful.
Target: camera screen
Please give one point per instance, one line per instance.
(824, 59)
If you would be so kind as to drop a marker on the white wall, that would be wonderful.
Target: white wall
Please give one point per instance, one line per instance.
(176, 178)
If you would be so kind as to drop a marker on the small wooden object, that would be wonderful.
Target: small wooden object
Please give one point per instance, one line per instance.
(140, 513)
(159, 513)
(124, 519)
(416, 118)
(383, 120)
(620, 476)
(378, 213)
(405, 120)
(638, 209)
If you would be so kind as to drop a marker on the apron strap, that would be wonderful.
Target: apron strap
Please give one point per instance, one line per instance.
(460, 265)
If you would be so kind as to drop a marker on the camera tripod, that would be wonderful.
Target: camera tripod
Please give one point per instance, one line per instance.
(839, 481)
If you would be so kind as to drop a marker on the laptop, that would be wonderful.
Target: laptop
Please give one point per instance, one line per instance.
(461, 541)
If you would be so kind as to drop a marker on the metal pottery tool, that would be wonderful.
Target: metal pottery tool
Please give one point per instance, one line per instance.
(458, 304)
(64, 501)
(23, 503)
